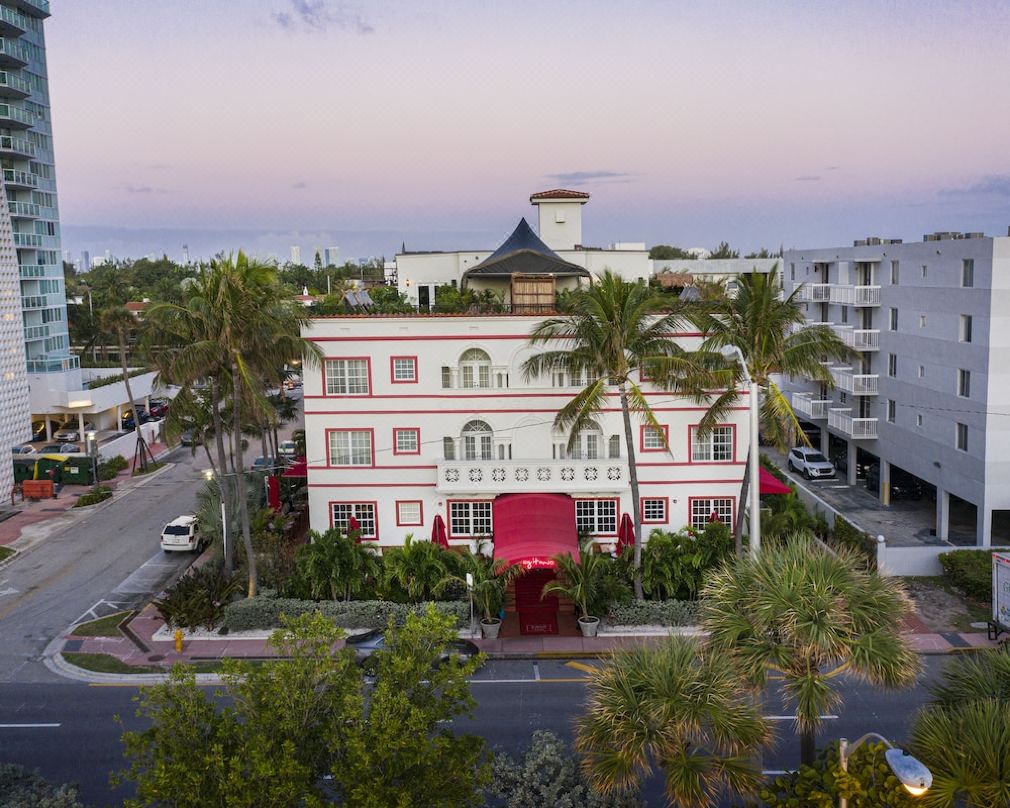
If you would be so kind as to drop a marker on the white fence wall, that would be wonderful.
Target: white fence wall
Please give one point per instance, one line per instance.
(126, 445)
(894, 561)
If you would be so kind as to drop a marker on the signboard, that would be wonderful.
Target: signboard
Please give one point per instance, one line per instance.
(1001, 589)
(542, 563)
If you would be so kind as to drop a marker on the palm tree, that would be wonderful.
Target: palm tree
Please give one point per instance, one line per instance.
(580, 581)
(119, 321)
(614, 333)
(677, 707)
(337, 567)
(491, 579)
(984, 675)
(419, 568)
(775, 340)
(808, 614)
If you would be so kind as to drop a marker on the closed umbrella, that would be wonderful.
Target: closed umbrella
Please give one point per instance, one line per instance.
(354, 527)
(625, 533)
(438, 535)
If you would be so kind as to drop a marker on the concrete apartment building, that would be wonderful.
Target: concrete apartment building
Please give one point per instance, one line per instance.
(927, 391)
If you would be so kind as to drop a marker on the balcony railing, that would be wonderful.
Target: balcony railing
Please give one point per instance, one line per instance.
(11, 19)
(20, 179)
(53, 365)
(855, 428)
(27, 240)
(24, 210)
(11, 114)
(813, 409)
(13, 51)
(13, 81)
(36, 332)
(40, 7)
(815, 292)
(855, 295)
(858, 384)
(33, 271)
(859, 339)
(549, 476)
(34, 302)
(17, 146)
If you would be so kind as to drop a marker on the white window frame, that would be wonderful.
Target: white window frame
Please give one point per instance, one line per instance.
(653, 438)
(654, 511)
(475, 373)
(471, 517)
(401, 363)
(347, 377)
(702, 509)
(413, 446)
(345, 447)
(412, 518)
(597, 517)
(364, 512)
(715, 447)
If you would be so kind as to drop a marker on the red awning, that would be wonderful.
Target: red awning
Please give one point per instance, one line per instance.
(770, 484)
(300, 468)
(531, 528)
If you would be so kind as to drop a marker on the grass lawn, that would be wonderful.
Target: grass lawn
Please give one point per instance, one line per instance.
(105, 663)
(151, 467)
(943, 606)
(5, 552)
(107, 626)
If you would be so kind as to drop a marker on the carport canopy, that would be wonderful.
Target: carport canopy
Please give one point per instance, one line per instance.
(530, 529)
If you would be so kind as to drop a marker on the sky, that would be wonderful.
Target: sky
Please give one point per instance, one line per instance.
(259, 124)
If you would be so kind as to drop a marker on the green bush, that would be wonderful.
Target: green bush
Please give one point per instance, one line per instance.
(198, 598)
(100, 494)
(970, 571)
(674, 564)
(265, 612)
(845, 535)
(654, 613)
(109, 468)
(23, 788)
(869, 783)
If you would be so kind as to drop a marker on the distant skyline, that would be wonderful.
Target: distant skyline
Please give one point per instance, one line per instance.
(366, 124)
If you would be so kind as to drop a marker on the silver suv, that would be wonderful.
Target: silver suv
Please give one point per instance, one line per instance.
(809, 462)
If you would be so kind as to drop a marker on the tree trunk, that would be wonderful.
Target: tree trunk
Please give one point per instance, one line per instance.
(635, 506)
(139, 448)
(808, 747)
(243, 498)
(223, 478)
(741, 512)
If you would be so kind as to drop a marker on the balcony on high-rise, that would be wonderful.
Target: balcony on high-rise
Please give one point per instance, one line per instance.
(846, 295)
(27, 240)
(11, 22)
(15, 116)
(24, 210)
(840, 419)
(815, 293)
(859, 339)
(13, 53)
(20, 180)
(37, 8)
(17, 147)
(811, 406)
(856, 384)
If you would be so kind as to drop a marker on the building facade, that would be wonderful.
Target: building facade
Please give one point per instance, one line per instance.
(927, 391)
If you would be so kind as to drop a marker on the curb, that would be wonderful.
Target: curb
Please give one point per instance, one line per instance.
(11, 557)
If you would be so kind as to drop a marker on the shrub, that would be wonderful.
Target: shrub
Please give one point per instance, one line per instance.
(198, 598)
(22, 788)
(265, 612)
(654, 613)
(970, 571)
(846, 536)
(100, 494)
(674, 564)
(548, 775)
(109, 468)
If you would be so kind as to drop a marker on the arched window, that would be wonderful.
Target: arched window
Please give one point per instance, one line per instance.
(475, 369)
(477, 441)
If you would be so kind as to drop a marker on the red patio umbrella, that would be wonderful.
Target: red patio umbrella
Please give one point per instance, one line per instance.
(353, 525)
(438, 535)
(274, 493)
(770, 484)
(625, 533)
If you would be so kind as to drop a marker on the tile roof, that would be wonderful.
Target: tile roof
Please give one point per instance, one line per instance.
(558, 193)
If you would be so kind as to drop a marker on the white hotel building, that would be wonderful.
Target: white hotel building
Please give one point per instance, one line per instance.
(420, 415)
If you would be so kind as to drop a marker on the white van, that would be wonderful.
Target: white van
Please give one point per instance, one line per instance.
(182, 534)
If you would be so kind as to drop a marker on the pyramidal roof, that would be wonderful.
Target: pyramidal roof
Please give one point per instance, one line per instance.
(524, 253)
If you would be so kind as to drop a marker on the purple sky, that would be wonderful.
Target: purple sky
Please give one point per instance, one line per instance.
(322, 122)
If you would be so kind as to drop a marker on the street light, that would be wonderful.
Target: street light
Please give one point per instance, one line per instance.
(754, 494)
(912, 772)
(469, 588)
(91, 448)
(209, 475)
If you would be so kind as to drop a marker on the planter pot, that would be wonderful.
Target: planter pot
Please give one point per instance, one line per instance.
(589, 626)
(489, 628)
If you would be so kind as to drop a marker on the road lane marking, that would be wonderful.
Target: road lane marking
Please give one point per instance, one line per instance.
(794, 718)
(581, 666)
(536, 671)
(29, 726)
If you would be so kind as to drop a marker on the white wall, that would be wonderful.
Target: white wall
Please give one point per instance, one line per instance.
(560, 223)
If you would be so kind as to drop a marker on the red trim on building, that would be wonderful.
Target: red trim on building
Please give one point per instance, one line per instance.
(510, 394)
(641, 438)
(448, 518)
(471, 410)
(690, 447)
(329, 468)
(326, 444)
(429, 337)
(692, 500)
(416, 430)
(736, 481)
(322, 372)
(420, 505)
(373, 503)
(371, 485)
(392, 373)
(617, 514)
(666, 511)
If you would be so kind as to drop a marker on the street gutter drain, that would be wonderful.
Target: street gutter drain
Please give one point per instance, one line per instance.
(155, 658)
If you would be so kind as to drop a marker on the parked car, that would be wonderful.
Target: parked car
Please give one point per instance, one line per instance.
(129, 423)
(39, 429)
(366, 644)
(265, 464)
(23, 450)
(293, 383)
(809, 462)
(67, 434)
(189, 438)
(903, 484)
(159, 408)
(59, 448)
(182, 534)
(287, 449)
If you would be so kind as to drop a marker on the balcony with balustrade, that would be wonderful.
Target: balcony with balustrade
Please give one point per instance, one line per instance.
(840, 419)
(20, 180)
(859, 339)
(13, 116)
(37, 8)
(13, 85)
(815, 293)
(857, 384)
(27, 240)
(811, 406)
(13, 53)
(12, 23)
(24, 210)
(846, 295)
(571, 476)
(17, 147)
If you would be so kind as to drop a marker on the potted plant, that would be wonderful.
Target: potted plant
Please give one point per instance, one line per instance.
(491, 578)
(581, 582)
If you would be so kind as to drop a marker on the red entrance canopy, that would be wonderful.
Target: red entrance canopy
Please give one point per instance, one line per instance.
(300, 468)
(531, 528)
(770, 484)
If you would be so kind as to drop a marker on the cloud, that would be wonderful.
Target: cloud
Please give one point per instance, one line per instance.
(808, 178)
(994, 185)
(298, 186)
(321, 15)
(832, 168)
(144, 189)
(585, 177)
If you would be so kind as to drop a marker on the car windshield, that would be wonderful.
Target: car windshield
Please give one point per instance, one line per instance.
(816, 457)
(176, 530)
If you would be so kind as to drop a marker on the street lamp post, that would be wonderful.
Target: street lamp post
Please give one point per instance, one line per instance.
(91, 447)
(469, 588)
(754, 465)
(913, 773)
(209, 475)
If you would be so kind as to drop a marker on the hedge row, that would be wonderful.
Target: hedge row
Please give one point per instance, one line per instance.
(654, 613)
(970, 571)
(265, 612)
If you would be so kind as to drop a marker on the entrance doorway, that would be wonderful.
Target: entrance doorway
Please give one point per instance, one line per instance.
(536, 616)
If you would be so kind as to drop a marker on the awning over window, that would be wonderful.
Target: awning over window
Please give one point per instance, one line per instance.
(531, 528)
(770, 484)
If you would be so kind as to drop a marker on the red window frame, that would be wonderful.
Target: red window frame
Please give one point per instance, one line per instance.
(641, 437)
(690, 446)
(392, 372)
(420, 510)
(617, 514)
(375, 511)
(371, 439)
(417, 432)
(368, 370)
(690, 509)
(448, 519)
(666, 511)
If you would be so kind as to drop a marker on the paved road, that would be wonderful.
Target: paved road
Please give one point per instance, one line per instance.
(109, 561)
(68, 732)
